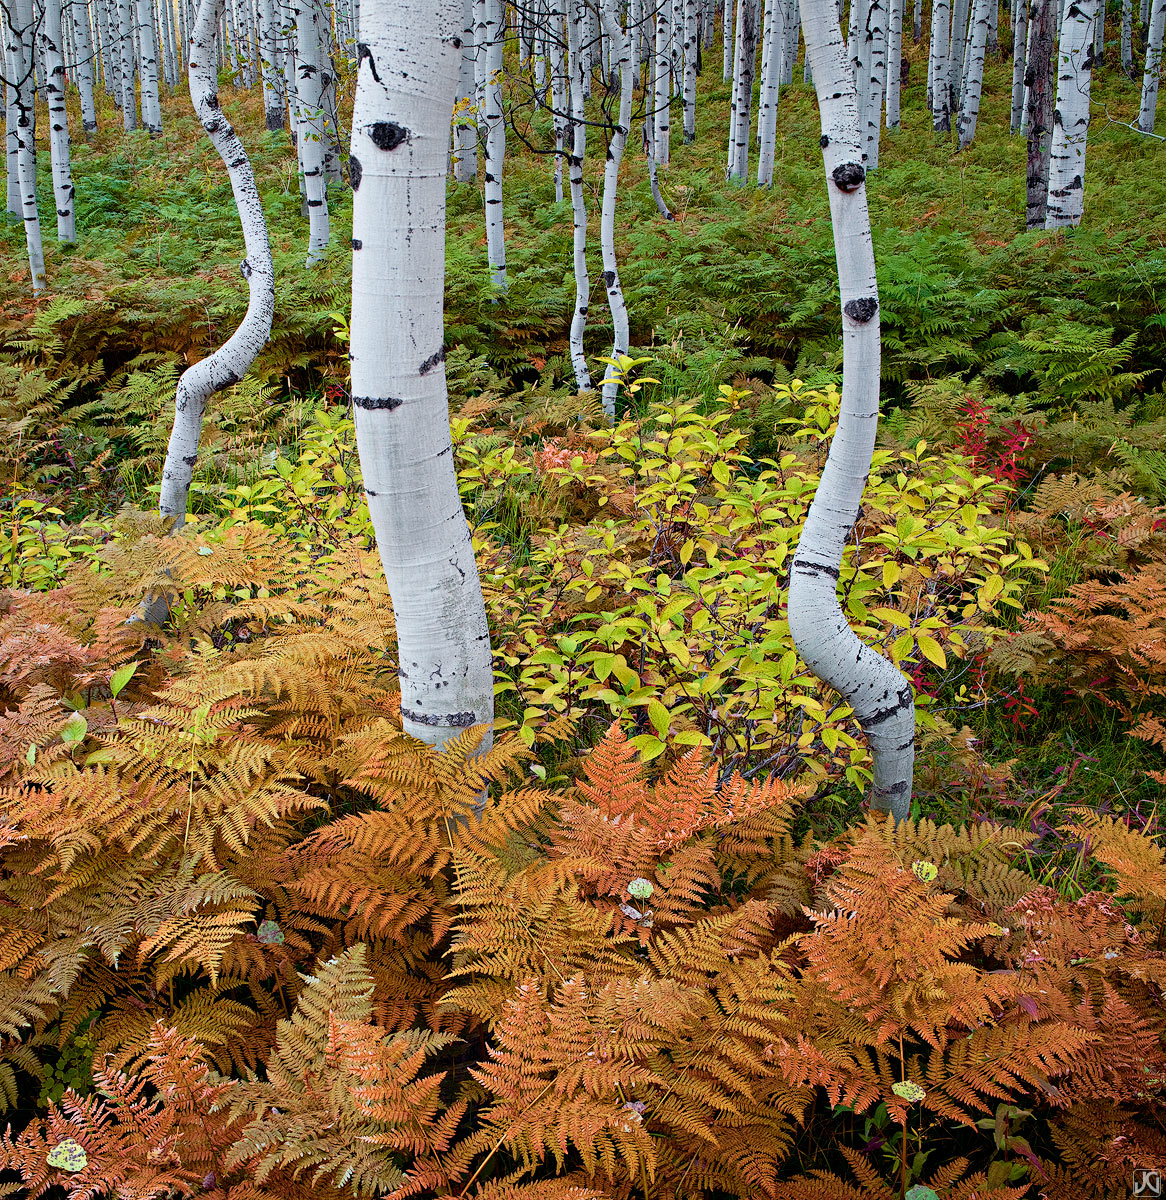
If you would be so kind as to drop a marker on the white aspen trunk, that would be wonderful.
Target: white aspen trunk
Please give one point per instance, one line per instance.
(970, 112)
(1127, 37)
(560, 93)
(877, 692)
(766, 27)
(406, 85)
(84, 72)
(110, 59)
(662, 74)
(960, 14)
(876, 82)
(310, 97)
(894, 63)
(1154, 37)
(615, 149)
(18, 26)
(728, 41)
(466, 135)
(233, 360)
(1099, 34)
(125, 50)
(1019, 63)
(495, 127)
(273, 103)
(770, 88)
(11, 139)
(50, 38)
(166, 44)
(791, 24)
(691, 50)
(578, 131)
(745, 58)
(940, 88)
(994, 27)
(917, 23)
(1144, 13)
(151, 108)
(1066, 200)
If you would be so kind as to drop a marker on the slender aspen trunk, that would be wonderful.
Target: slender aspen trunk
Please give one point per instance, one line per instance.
(273, 98)
(894, 63)
(1066, 200)
(233, 360)
(151, 108)
(994, 27)
(405, 91)
(691, 48)
(744, 63)
(728, 40)
(940, 88)
(653, 175)
(662, 76)
(1127, 37)
(615, 149)
(791, 26)
(1099, 35)
(1144, 13)
(1019, 58)
(493, 29)
(18, 57)
(166, 44)
(123, 13)
(560, 89)
(917, 23)
(310, 97)
(960, 12)
(466, 133)
(767, 103)
(11, 136)
(877, 691)
(1039, 107)
(50, 38)
(875, 61)
(578, 132)
(1154, 38)
(970, 112)
(84, 72)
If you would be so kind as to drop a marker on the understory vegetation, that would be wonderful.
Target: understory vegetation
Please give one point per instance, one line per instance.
(258, 943)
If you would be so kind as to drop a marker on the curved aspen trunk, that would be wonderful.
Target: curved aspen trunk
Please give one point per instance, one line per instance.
(230, 362)
(940, 86)
(310, 97)
(1066, 200)
(1019, 60)
(495, 125)
(18, 26)
(878, 692)
(1039, 110)
(85, 71)
(615, 149)
(405, 92)
(51, 40)
(1154, 38)
(974, 81)
(578, 132)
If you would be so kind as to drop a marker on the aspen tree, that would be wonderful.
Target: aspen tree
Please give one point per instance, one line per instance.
(873, 80)
(876, 690)
(122, 12)
(917, 22)
(231, 361)
(615, 149)
(894, 63)
(728, 40)
(960, 12)
(1127, 37)
(406, 86)
(791, 25)
(557, 45)
(938, 70)
(84, 71)
(1039, 110)
(744, 62)
(576, 70)
(51, 40)
(974, 80)
(691, 51)
(491, 28)
(662, 76)
(1019, 59)
(269, 66)
(465, 131)
(148, 68)
(18, 59)
(1066, 199)
(1154, 39)
(312, 132)
(767, 102)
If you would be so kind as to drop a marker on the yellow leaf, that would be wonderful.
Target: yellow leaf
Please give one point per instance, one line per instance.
(932, 651)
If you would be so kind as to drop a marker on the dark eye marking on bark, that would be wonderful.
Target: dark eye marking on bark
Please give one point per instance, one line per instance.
(378, 403)
(815, 568)
(848, 176)
(355, 171)
(363, 52)
(357, 243)
(609, 277)
(861, 310)
(190, 459)
(459, 720)
(212, 101)
(245, 269)
(438, 356)
(823, 141)
(388, 135)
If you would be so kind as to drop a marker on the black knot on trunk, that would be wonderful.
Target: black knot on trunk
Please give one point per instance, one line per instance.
(861, 310)
(823, 141)
(609, 277)
(387, 135)
(377, 403)
(848, 176)
(245, 269)
(355, 171)
(357, 243)
(212, 101)
(438, 356)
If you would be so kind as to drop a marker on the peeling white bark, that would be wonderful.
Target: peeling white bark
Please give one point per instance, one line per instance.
(230, 362)
(1066, 200)
(878, 693)
(405, 92)
(615, 149)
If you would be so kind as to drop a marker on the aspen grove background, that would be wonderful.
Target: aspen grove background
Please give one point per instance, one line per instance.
(584, 599)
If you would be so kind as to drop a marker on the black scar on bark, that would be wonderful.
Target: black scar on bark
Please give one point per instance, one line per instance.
(609, 277)
(387, 135)
(457, 43)
(357, 243)
(363, 52)
(315, 203)
(212, 101)
(460, 720)
(815, 568)
(823, 141)
(369, 492)
(378, 403)
(190, 459)
(355, 171)
(245, 269)
(861, 310)
(848, 176)
(881, 714)
(438, 356)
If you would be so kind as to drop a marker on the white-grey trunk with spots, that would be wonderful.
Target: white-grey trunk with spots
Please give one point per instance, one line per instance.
(974, 80)
(1066, 200)
(774, 31)
(493, 119)
(406, 86)
(311, 78)
(894, 62)
(84, 72)
(1150, 80)
(578, 134)
(51, 39)
(18, 61)
(877, 692)
(938, 69)
(1019, 64)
